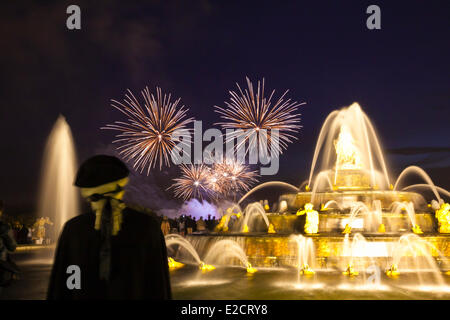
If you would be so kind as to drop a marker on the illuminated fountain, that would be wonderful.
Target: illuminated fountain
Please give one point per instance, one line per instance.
(58, 198)
(356, 220)
(174, 239)
(224, 251)
(305, 255)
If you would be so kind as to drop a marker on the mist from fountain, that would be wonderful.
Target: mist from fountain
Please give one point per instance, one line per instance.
(58, 198)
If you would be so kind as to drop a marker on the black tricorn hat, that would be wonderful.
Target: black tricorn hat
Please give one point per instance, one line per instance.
(100, 170)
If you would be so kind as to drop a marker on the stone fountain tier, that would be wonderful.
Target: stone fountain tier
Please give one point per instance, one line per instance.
(334, 222)
(346, 198)
(274, 250)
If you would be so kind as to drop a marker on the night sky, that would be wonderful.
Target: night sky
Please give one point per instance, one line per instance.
(198, 50)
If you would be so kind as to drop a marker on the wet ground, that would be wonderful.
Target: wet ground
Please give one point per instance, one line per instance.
(33, 280)
(234, 283)
(284, 284)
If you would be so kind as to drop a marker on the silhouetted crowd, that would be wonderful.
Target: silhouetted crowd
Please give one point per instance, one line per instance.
(31, 230)
(184, 224)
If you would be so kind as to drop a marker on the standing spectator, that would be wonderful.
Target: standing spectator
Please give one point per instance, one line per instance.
(209, 222)
(22, 235)
(201, 225)
(182, 226)
(194, 224)
(189, 224)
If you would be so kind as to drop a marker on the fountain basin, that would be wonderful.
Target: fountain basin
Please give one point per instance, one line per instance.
(275, 250)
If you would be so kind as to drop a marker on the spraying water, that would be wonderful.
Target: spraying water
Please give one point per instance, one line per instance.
(413, 254)
(306, 256)
(175, 239)
(356, 123)
(269, 184)
(58, 198)
(418, 171)
(224, 251)
(251, 211)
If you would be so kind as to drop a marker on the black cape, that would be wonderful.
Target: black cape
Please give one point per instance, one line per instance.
(139, 268)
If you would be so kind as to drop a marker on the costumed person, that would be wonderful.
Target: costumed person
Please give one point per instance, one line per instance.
(165, 226)
(8, 269)
(40, 229)
(121, 253)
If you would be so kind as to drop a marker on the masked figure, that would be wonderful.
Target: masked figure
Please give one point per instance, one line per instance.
(120, 252)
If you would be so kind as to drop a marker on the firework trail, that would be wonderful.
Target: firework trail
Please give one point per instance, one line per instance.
(252, 112)
(146, 137)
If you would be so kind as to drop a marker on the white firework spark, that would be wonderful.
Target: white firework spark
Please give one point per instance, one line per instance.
(252, 112)
(147, 135)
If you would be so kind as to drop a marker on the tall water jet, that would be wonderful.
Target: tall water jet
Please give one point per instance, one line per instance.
(58, 197)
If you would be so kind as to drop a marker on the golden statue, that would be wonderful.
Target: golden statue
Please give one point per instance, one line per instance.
(347, 154)
(271, 229)
(222, 225)
(443, 217)
(312, 218)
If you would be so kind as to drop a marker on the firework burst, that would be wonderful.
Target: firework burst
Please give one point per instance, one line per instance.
(146, 136)
(195, 182)
(252, 112)
(234, 176)
(220, 181)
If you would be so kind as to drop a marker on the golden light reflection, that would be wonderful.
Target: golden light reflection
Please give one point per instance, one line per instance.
(174, 264)
(206, 267)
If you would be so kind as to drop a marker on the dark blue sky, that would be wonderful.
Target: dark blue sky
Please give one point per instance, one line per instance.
(198, 50)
